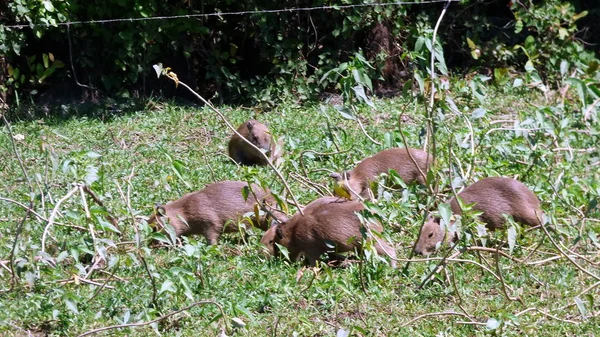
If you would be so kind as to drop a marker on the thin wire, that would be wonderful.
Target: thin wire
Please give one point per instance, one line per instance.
(190, 16)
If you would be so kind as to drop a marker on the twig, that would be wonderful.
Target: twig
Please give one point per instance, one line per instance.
(565, 254)
(444, 313)
(97, 200)
(27, 210)
(545, 314)
(432, 97)
(91, 332)
(231, 127)
(39, 216)
(497, 260)
(363, 129)
(137, 234)
(423, 175)
(53, 214)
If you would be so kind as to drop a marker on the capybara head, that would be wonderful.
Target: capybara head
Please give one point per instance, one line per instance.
(259, 135)
(431, 237)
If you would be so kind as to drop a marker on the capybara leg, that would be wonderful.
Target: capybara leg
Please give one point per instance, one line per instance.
(383, 248)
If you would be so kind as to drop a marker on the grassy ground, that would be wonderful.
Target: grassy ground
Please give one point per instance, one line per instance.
(162, 151)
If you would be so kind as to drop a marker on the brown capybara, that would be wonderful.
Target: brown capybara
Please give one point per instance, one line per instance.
(494, 197)
(326, 222)
(259, 135)
(214, 210)
(358, 181)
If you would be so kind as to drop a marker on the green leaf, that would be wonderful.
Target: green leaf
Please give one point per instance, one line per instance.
(45, 60)
(471, 44)
(49, 6)
(72, 306)
(582, 310)
(529, 66)
(518, 26)
(169, 286)
(478, 113)
(492, 324)
(562, 33)
(445, 213)
(580, 15)
(512, 237)
(158, 68)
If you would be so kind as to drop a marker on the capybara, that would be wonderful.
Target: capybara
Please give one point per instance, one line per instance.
(259, 135)
(358, 181)
(213, 210)
(326, 222)
(494, 197)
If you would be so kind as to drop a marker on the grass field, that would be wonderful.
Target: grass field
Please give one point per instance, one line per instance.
(141, 156)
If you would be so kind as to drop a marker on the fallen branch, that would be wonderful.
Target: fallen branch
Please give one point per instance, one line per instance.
(53, 215)
(431, 314)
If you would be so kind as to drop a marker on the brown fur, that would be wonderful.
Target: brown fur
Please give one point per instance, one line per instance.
(494, 197)
(326, 220)
(398, 159)
(214, 210)
(259, 135)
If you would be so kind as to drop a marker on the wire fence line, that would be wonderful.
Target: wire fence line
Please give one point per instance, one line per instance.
(205, 15)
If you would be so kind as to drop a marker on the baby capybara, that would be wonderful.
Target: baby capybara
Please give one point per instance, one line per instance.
(358, 181)
(259, 135)
(214, 210)
(494, 197)
(326, 221)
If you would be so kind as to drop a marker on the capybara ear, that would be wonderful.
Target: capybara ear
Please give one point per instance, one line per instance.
(249, 125)
(278, 233)
(335, 176)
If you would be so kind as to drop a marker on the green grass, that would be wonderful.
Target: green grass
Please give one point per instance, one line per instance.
(153, 154)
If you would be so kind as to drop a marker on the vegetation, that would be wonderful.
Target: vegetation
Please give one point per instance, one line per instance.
(156, 154)
(79, 184)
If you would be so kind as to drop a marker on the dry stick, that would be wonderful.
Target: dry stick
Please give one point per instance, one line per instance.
(565, 254)
(365, 131)
(546, 314)
(460, 300)
(444, 313)
(579, 255)
(312, 185)
(27, 210)
(497, 260)
(157, 319)
(113, 220)
(39, 216)
(432, 98)
(90, 226)
(53, 214)
(137, 234)
(212, 173)
(276, 324)
(407, 151)
(320, 154)
(231, 127)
